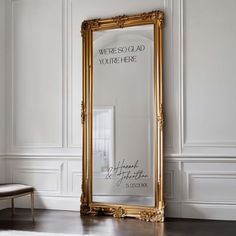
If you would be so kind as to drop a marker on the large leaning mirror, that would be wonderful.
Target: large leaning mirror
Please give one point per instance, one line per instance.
(122, 117)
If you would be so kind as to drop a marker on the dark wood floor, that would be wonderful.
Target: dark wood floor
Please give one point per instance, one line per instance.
(73, 223)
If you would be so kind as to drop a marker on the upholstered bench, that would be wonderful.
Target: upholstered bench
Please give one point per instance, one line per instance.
(11, 191)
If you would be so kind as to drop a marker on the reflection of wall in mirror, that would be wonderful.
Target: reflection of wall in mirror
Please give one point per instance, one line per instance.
(102, 139)
(126, 86)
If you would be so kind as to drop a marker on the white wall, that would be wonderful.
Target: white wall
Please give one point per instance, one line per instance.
(200, 158)
(41, 147)
(44, 141)
(2, 76)
(44, 94)
(2, 95)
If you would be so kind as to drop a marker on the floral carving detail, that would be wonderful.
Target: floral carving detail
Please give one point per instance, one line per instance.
(94, 23)
(84, 27)
(89, 24)
(145, 16)
(161, 18)
(120, 20)
(119, 212)
(156, 215)
(155, 15)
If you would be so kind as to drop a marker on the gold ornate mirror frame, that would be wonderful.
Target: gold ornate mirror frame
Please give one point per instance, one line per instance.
(155, 213)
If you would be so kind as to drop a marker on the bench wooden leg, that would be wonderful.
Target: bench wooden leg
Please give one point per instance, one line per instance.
(12, 207)
(32, 205)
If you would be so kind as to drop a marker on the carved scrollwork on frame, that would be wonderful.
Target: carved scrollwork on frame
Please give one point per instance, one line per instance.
(119, 212)
(155, 15)
(145, 16)
(84, 209)
(159, 15)
(89, 24)
(84, 27)
(161, 20)
(94, 23)
(156, 215)
(120, 20)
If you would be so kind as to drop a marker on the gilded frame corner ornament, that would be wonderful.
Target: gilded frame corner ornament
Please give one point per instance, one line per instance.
(156, 215)
(119, 212)
(151, 214)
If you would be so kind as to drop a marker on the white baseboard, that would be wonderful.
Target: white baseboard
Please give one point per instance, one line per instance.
(209, 211)
(53, 203)
(173, 208)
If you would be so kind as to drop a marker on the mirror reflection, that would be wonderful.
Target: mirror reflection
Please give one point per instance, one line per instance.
(123, 76)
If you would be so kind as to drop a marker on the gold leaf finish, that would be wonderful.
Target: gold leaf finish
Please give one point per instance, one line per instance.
(84, 209)
(119, 212)
(84, 27)
(123, 21)
(120, 20)
(88, 206)
(152, 215)
(83, 113)
(160, 118)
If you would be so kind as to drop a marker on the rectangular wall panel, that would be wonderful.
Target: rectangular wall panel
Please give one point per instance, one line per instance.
(37, 73)
(207, 181)
(75, 78)
(46, 176)
(74, 177)
(57, 180)
(45, 181)
(204, 188)
(211, 186)
(209, 83)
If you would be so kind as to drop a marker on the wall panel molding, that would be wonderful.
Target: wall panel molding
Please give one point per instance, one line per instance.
(46, 180)
(44, 156)
(55, 180)
(70, 74)
(74, 177)
(76, 181)
(206, 180)
(44, 148)
(14, 143)
(203, 187)
(195, 146)
(74, 78)
(169, 183)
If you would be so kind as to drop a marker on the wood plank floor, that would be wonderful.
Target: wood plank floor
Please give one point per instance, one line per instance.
(73, 223)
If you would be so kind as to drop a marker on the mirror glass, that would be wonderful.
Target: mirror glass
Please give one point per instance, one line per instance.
(123, 97)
